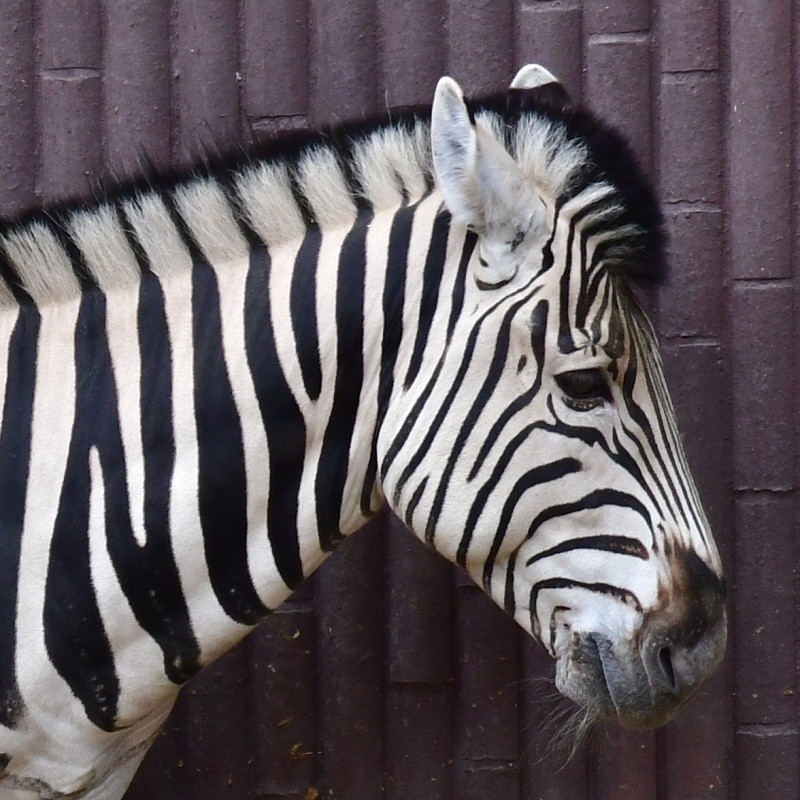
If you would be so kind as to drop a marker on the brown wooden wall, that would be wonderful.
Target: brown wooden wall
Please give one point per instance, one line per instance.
(389, 675)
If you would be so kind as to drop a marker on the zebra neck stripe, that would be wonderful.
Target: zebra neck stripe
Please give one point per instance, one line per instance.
(76, 643)
(282, 420)
(222, 481)
(303, 306)
(334, 463)
(15, 446)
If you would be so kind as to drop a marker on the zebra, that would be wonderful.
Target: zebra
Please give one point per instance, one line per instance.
(212, 378)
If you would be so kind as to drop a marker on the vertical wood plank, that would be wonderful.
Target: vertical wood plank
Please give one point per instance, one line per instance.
(618, 86)
(420, 692)
(18, 123)
(283, 703)
(207, 77)
(345, 64)
(350, 666)
(623, 16)
(759, 141)
(137, 85)
(274, 58)
(550, 34)
(71, 98)
(216, 711)
(476, 59)
(412, 53)
(763, 386)
(553, 758)
(487, 719)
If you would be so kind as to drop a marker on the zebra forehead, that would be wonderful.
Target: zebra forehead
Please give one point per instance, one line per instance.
(276, 190)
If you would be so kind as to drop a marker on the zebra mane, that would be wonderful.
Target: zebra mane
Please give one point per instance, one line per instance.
(273, 192)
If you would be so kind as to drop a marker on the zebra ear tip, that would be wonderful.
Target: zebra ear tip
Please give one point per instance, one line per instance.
(448, 93)
(532, 76)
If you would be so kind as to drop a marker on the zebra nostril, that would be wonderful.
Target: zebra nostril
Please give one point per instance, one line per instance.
(667, 668)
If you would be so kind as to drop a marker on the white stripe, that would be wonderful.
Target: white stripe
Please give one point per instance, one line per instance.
(50, 705)
(138, 660)
(122, 329)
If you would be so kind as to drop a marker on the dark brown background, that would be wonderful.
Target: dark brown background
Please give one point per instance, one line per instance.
(389, 675)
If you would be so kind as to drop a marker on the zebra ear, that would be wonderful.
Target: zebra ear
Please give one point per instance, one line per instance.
(454, 147)
(532, 76)
(534, 86)
(482, 185)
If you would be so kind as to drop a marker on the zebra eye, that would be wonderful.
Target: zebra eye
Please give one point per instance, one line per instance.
(584, 389)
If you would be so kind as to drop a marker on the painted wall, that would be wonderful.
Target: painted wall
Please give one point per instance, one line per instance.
(389, 674)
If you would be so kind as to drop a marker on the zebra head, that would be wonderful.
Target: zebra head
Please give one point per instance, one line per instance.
(539, 448)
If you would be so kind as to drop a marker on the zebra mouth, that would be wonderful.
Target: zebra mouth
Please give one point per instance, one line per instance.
(616, 685)
(583, 678)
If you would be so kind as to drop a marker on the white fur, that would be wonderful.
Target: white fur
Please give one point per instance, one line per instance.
(267, 202)
(387, 164)
(209, 216)
(42, 264)
(158, 235)
(106, 250)
(323, 184)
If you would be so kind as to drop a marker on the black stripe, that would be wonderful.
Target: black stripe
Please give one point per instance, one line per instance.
(616, 592)
(227, 184)
(538, 328)
(621, 545)
(73, 253)
(392, 303)
(566, 342)
(545, 473)
(303, 307)
(443, 409)
(593, 437)
(148, 573)
(431, 282)
(414, 502)
(15, 453)
(73, 628)
(334, 462)
(283, 421)
(489, 386)
(640, 419)
(661, 403)
(184, 232)
(459, 287)
(598, 498)
(133, 240)
(482, 495)
(222, 478)
(10, 277)
(583, 301)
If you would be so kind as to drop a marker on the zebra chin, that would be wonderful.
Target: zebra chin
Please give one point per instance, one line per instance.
(641, 682)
